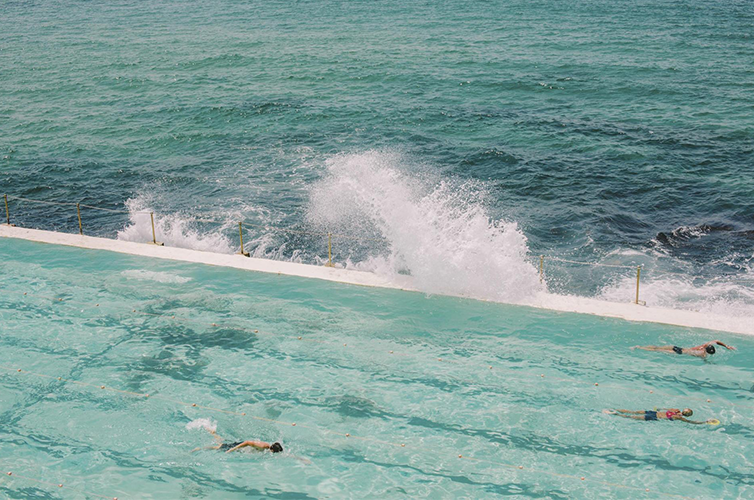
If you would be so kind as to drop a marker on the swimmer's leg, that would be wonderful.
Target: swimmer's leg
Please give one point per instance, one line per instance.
(635, 417)
(660, 348)
(206, 448)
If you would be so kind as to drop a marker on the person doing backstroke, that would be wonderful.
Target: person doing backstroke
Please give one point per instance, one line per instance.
(661, 414)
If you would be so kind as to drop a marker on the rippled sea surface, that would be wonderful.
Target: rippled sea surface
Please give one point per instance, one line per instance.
(610, 132)
(455, 142)
(473, 390)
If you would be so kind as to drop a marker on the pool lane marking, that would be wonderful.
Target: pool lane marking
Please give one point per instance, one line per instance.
(518, 468)
(439, 360)
(12, 474)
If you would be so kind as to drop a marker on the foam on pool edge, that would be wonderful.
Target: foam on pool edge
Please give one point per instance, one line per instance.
(543, 300)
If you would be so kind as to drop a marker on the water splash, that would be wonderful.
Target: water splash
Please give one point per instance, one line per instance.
(721, 297)
(173, 230)
(438, 231)
(202, 423)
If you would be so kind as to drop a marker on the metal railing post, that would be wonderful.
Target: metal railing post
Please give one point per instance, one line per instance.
(7, 212)
(638, 276)
(240, 236)
(154, 236)
(329, 251)
(78, 212)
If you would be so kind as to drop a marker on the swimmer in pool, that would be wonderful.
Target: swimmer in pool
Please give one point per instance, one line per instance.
(660, 414)
(700, 351)
(228, 447)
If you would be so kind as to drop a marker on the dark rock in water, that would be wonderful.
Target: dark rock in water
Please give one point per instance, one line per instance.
(685, 233)
(708, 228)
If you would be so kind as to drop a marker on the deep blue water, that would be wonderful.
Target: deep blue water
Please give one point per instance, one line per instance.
(613, 132)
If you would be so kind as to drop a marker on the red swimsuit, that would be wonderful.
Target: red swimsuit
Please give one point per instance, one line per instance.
(670, 414)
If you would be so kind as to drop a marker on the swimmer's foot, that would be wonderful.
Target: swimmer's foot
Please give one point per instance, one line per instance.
(608, 412)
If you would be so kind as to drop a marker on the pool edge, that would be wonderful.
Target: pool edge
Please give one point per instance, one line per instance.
(561, 303)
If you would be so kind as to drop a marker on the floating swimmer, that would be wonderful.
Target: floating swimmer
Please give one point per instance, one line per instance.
(700, 351)
(229, 447)
(661, 414)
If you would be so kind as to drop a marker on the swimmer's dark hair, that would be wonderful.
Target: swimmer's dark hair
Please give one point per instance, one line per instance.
(276, 448)
(710, 349)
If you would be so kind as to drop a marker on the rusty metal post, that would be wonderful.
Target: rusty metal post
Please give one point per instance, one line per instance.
(78, 212)
(154, 236)
(329, 251)
(240, 236)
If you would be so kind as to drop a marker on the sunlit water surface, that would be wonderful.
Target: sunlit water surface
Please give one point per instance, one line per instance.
(368, 364)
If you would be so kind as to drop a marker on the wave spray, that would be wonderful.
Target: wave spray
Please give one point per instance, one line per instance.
(173, 230)
(438, 231)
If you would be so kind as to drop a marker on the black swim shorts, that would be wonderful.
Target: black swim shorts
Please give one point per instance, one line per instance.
(227, 446)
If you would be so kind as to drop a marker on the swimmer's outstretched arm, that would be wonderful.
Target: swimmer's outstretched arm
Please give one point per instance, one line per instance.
(684, 419)
(730, 347)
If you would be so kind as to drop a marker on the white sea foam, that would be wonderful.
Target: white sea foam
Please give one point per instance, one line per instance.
(172, 230)
(719, 297)
(202, 423)
(158, 276)
(438, 231)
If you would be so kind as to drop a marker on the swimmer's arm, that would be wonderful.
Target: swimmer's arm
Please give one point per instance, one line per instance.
(684, 419)
(730, 347)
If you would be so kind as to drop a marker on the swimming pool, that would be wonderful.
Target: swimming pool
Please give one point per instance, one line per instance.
(386, 367)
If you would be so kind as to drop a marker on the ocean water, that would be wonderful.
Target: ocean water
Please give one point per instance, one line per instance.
(458, 136)
(474, 390)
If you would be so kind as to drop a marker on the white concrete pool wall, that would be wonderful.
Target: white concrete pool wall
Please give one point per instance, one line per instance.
(627, 311)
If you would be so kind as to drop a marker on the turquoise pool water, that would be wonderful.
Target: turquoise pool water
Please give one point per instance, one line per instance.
(368, 364)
